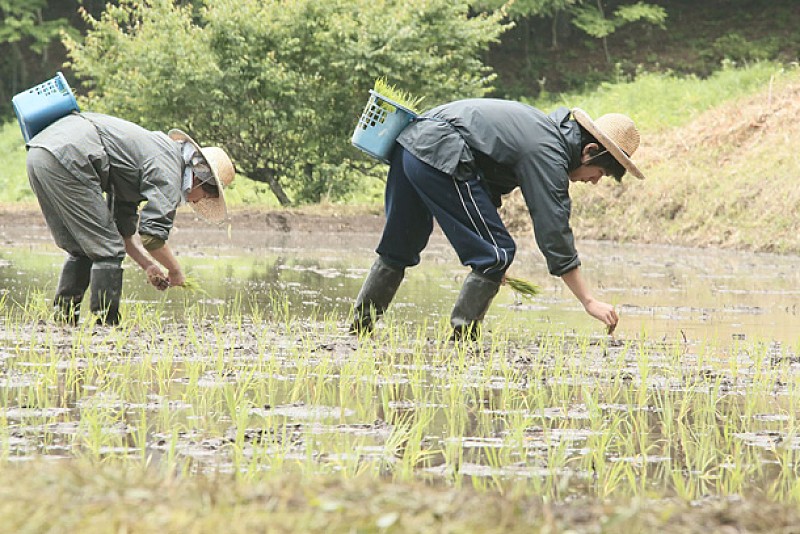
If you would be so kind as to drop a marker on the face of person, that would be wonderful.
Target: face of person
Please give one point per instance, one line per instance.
(196, 193)
(587, 172)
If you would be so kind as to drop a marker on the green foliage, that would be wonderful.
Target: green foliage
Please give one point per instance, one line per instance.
(22, 20)
(737, 48)
(25, 37)
(593, 21)
(279, 83)
(13, 179)
(517, 9)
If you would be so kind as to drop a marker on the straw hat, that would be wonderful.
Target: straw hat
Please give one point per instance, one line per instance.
(211, 209)
(617, 133)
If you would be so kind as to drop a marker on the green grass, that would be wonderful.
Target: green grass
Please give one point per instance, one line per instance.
(404, 98)
(13, 177)
(658, 101)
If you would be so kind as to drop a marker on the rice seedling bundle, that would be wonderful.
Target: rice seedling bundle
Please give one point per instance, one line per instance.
(523, 287)
(404, 98)
(191, 283)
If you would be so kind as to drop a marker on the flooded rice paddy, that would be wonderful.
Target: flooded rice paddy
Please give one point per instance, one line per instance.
(696, 396)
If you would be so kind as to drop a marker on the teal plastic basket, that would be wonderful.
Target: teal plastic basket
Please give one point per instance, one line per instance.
(379, 126)
(39, 107)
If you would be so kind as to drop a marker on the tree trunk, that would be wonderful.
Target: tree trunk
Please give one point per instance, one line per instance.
(605, 41)
(267, 176)
(554, 31)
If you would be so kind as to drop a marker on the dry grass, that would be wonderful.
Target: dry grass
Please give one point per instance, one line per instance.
(728, 179)
(71, 497)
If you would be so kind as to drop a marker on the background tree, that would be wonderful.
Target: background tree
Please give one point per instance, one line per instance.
(523, 11)
(279, 83)
(592, 19)
(559, 17)
(24, 35)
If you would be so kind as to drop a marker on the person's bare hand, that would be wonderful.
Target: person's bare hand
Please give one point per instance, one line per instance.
(176, 278)
(157, 278)
(604, 313)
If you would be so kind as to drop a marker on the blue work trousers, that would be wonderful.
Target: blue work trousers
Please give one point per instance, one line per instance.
(416, 193)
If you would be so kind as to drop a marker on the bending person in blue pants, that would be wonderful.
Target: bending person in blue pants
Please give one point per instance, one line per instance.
(456, 161)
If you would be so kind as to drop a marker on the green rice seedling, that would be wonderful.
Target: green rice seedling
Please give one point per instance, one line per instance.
(192, 284)
(404, 98)
(523, 288)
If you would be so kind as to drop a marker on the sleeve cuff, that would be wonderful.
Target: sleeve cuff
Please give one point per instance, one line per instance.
(151, 242)
(560, 270)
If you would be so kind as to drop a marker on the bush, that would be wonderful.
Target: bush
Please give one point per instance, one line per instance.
(280, 84)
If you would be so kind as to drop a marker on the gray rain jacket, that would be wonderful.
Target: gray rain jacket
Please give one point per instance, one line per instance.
(138, 164)
(508, 144)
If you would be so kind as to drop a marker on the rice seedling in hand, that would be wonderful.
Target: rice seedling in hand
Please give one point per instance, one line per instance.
(191, 283)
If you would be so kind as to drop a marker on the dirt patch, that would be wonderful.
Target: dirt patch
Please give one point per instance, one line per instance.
(20, 223)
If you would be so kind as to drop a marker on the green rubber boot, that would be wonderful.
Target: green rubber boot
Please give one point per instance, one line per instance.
(106, 292)
(476, 295)
(72, 286)
(375, 296)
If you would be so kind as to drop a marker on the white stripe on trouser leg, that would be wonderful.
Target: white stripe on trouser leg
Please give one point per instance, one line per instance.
(474, 225)
(485, 225)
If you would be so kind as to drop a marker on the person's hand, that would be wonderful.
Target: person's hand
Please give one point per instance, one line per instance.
(156, 277)
(176, 278)
(604, 313)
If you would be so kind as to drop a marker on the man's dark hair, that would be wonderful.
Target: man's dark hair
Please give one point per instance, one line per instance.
(210, 188)
(606, 161)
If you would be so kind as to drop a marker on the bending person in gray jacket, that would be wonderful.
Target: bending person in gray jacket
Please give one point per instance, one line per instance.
(90, 172)
(453, 164)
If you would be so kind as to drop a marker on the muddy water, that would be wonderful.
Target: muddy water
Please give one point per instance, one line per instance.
(688, 295)
(311, 393)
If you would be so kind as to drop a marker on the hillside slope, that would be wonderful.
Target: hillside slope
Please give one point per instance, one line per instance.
(729, 178)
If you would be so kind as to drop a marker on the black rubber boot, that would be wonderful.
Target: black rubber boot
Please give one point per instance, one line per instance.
(106, 292)
(375, 296)
(476, 295)
(72, 285)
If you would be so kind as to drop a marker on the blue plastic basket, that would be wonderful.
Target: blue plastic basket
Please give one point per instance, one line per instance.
(39, 107)
(379, 126)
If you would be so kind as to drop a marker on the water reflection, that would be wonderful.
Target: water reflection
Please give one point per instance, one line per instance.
(677, 294)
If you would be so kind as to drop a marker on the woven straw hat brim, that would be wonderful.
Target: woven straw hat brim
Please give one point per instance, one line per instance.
(211, 209)
(584, 120)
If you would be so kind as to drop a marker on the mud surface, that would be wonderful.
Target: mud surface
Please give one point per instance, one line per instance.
(26, 223)
(258, 371)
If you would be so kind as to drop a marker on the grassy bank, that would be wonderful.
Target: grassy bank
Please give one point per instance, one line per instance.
(720, 161)
(718, 154)
(14, 186)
